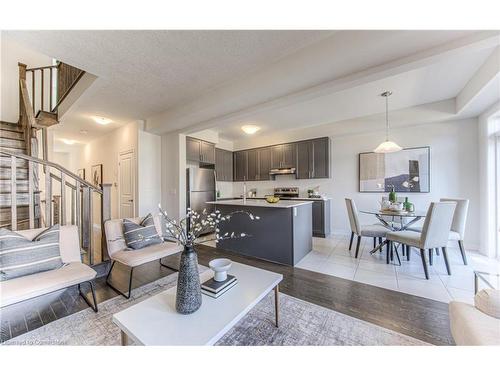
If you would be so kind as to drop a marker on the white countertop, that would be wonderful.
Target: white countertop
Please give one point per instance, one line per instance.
(261, 203)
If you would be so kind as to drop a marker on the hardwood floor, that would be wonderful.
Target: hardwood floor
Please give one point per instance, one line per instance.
(418, 317)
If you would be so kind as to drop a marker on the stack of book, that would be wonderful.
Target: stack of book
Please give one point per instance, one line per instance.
(215, 289)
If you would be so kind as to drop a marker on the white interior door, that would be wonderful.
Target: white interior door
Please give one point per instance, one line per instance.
(126, 184)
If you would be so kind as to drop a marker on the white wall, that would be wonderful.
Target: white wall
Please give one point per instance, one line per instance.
(487, 127)
(12, 53)
(149, 172)
(454, 168)
(105, 151)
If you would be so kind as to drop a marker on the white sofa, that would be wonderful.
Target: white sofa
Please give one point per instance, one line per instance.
(471, 326)
(74, 272)
(117, 249)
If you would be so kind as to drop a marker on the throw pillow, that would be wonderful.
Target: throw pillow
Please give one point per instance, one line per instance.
(21, 257)
(138, 236)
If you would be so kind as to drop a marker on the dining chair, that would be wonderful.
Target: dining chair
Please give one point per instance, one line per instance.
(458, 224)
(457, 230)
(376, 231)
(435, 233)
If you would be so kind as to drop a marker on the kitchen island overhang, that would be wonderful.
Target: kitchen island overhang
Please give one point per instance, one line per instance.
(283, 234)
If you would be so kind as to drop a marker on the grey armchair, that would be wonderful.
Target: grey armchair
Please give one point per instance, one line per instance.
(374, 230)
(435, 233)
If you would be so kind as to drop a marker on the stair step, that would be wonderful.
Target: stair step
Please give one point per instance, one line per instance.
(22, 213)
(13, 143)
(10, 126)
(21, 186)
(21, 173)
(14, 150)
(9, 134)
(45, 118)
(21, 198)
(5, 162)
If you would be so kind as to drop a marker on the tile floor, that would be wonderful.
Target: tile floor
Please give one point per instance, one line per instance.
(331, 256)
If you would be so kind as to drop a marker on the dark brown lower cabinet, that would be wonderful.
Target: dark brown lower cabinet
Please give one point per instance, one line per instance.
(321, 218)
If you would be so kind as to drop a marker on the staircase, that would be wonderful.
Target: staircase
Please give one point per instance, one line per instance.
(12, 140)
(35, 192)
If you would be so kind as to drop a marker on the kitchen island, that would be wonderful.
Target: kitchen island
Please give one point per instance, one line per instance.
(282, 235)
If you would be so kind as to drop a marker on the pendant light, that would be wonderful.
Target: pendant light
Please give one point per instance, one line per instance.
(387, 146)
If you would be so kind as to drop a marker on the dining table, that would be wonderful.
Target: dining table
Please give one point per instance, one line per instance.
(394, 221)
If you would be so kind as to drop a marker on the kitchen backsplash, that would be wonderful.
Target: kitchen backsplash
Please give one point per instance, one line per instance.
(267, 187)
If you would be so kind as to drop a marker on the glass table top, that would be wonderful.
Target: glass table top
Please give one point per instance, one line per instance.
(395, 213)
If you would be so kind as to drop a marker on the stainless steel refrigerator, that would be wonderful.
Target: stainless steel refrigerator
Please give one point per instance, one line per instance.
(200, 188)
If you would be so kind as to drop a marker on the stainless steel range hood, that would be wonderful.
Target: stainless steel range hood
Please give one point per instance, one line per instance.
(277, 171)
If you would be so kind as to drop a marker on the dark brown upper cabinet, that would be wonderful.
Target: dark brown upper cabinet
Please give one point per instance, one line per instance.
(240, 166)
(264, 163)
(252, 165)
(313, 158)
(200, 151)
(223, 165)
(283, 156)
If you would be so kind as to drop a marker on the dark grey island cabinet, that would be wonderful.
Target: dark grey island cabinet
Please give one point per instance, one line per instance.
(283, 234)
(321, 218)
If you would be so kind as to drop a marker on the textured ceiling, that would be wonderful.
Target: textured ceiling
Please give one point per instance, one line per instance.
(144, 72)
(183, 79)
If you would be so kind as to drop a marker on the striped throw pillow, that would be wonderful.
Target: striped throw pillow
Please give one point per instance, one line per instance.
(138, 236)
(21, 257)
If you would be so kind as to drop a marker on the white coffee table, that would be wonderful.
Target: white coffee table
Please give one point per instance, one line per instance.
(154, 321)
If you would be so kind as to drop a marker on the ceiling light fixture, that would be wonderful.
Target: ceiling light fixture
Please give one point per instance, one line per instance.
(250, 129)
(101, 120)
(68, 141)
(387, 146)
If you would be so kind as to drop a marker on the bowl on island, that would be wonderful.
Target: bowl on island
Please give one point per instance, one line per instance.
(220, 267)
(272, 199)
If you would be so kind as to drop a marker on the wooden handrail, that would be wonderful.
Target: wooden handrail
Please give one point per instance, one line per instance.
(43, 67)
(53, 165)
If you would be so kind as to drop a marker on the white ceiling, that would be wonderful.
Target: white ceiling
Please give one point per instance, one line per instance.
(194, 80)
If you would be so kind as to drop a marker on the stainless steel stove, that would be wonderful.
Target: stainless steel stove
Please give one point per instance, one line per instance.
(286, 192)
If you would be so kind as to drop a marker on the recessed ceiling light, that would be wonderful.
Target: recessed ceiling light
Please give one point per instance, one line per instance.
(250, 129)
(101, 120)
(68, 141)
(83, 131)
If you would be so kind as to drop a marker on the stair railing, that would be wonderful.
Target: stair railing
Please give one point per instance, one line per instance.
(48, 88)
(82, 200)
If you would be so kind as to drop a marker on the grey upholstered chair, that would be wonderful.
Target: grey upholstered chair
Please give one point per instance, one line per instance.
(458, 224)
(435, 233)
(374, 230)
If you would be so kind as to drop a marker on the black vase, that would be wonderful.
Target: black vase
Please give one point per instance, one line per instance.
(188, 298)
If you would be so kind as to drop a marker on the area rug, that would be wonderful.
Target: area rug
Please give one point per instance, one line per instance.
(301, 323)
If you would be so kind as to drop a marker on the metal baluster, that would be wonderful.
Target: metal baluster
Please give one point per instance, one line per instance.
(63, 199)
(48, 198)
(91, 230)
(13, 194)
(31, 196)
(77, 207)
